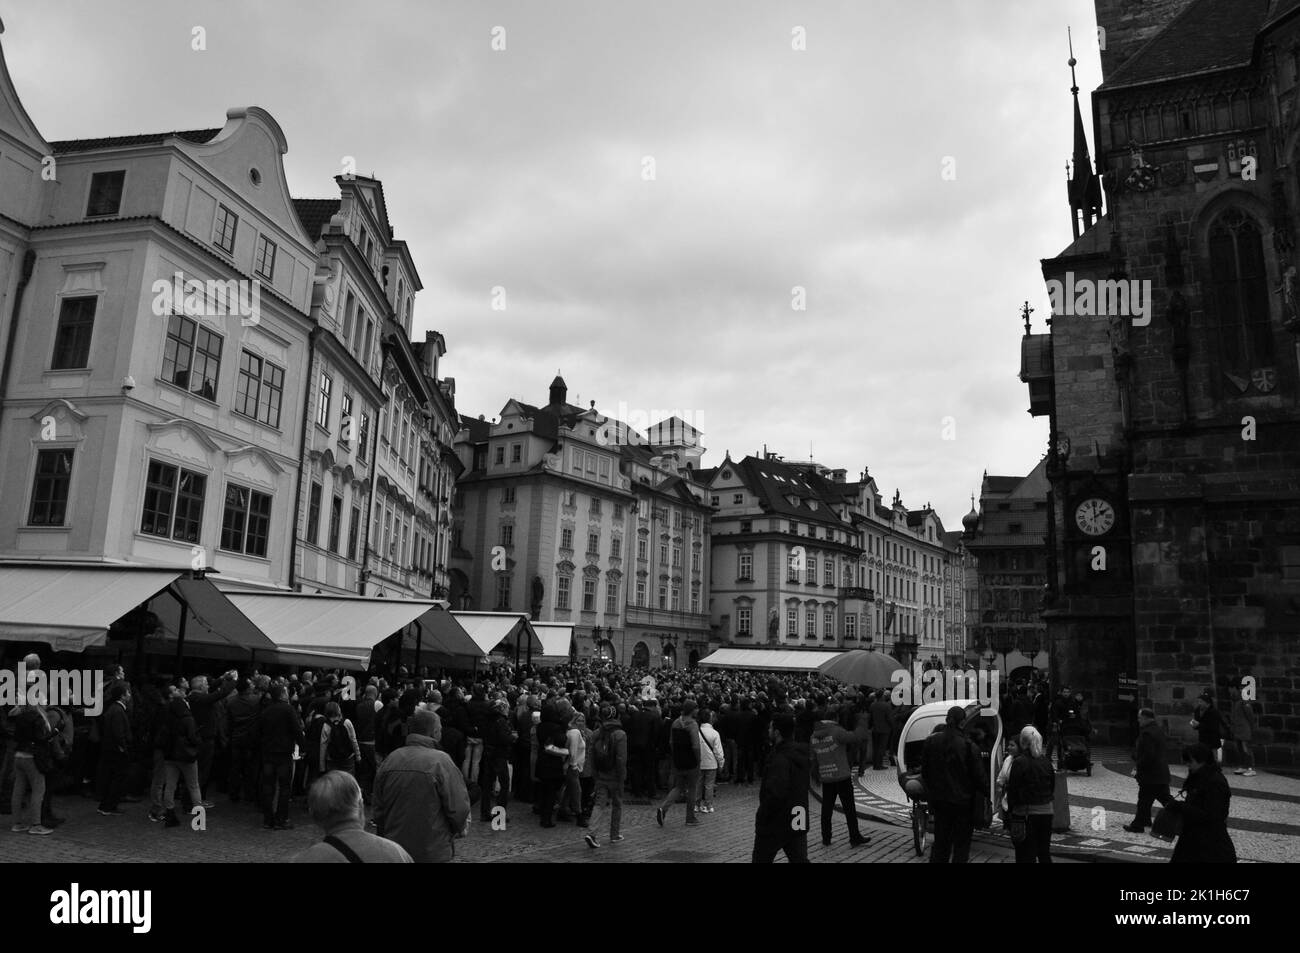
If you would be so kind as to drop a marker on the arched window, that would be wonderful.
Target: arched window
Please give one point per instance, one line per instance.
(641, 655)
(1239, 294)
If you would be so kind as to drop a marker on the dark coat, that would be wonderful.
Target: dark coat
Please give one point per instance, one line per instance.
(181, 733)
(550, 767)
(951, 767)
(1209, 727)
(784, 788)
(1205, 837)
(204, 707)
(1032, 781)
(1149, 754)
(117, 729)
(882, 716)
(278, 730)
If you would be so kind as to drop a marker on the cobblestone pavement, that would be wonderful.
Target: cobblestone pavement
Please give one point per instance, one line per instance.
(1264, 820)
(234, 835)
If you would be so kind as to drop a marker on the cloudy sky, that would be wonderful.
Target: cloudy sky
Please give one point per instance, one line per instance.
(650, 181)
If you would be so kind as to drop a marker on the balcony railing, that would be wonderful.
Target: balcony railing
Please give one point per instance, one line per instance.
(857, 592)
(643, 615)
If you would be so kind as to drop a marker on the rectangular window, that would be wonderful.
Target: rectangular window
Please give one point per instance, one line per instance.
(591, 463)
(595, 506)
(611, 599)
(792, 623)
(642, 549)
(313, 515)
(588, 595)
(516, 452)
(353, 529)
(105, 193)
(695, 561)
(507, 534)
(812, 569)
(508, 495)
(604, 469)
(566, 538)
(336, 522)
(345, 420)
(72, 338)
(224, 235)
(191, 357)
(810, 620)
(828, 574)
(744, 619)
(503, 592)
(323, 401)
(615, 548)
(173, 502)
(593, 544)
(850, 626)
(365, 345)
(575, 462)
(500, 456)
(677, 599)
(264, 259)
(663, 554)
(677, 557)
(618, 511)
(677, 519)
(640, 594)
(562, 592)
(50, 488)
(260, 390)
(828, 624)
(663, 597)
(738, 498)
(245, 521)
(746, 526)
(714, 501)
(746, 565)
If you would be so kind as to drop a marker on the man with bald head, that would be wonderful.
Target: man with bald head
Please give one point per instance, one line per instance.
(420, 799)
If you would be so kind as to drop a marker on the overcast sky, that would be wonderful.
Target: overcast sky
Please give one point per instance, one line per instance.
(525, 169)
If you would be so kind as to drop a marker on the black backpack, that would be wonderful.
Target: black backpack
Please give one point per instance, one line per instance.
(339, 747)
(684, 756)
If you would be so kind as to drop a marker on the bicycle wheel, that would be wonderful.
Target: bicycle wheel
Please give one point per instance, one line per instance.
(919, 825)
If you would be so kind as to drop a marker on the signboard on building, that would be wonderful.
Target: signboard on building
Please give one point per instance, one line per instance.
(1128, 688)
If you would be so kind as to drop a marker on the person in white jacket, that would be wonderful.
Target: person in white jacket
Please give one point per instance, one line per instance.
(712, 760)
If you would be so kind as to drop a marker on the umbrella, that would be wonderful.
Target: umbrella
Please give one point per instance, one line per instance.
(859, 667)
(1040, 661)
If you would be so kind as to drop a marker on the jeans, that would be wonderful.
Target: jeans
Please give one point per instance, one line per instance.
(175, 770)
(1245, 755)
(952, 832)
(1037, 845)
(844, 791)
(730, 751)
(207, 751)
(1147, 795)
(636, 770)
(30, 784)
(745, 766)
(367, 768)
(588, 786)
(613, 790)
(687, 782)
(708, 786)
(571, 795)
(112, 778)
(794, 845)
(277, 775)
(243, 771)
(495, 768)
(158, 781)
(473, 758)
(544, 792)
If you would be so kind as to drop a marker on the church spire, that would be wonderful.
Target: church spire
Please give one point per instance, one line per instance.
(1084, 185)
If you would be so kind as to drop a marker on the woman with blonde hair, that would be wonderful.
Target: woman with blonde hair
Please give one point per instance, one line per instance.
(1031, 789)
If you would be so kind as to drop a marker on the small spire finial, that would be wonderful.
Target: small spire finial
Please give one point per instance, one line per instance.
(1025, 312)
(1074, 83)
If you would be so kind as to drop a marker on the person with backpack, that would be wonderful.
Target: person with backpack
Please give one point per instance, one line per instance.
(609, 759)
(684, 756)
(830, 750)
(712, 760)
(339, 750)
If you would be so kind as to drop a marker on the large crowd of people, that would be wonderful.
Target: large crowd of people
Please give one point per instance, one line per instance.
(571, 742)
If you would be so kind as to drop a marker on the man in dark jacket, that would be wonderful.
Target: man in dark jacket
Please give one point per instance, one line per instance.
(953, 774)
(115, 750)
(610, 774)
(781, 823)
(203, 704)
(279, 731)
(1151, 770)
(241, 716)
(830, 751)
(180, 758)
(1204, 839)
(881, 714)
(1208, 723)
(551, 752)
(746, 743)
(498, 739)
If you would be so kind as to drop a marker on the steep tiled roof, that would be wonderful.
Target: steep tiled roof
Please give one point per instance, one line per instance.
(1001, 485)
(142, 139)
(1209, 35)
(773, 482)
(315, 214)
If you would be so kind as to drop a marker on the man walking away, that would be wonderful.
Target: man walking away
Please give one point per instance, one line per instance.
(339, 749)
(367, 718)
(115, 750)
(953, 774)
(830, 750)
(335, 805)
(712, 761)
(684, 747)
(882, 723)
(1151, 770)
(781, 823)
(421, 800)
(498, 740)
(277, 733)
(241, 716)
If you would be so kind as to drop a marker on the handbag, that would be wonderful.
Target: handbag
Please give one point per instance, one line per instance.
(981, 812)
(1168, 821)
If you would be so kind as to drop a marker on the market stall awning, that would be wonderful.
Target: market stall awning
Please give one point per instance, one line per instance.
(213, 620)
(557, 641)
(768, 660)
(492, 630)
(338, 630)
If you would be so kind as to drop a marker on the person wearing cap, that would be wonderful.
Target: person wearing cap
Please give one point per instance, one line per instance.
(1205, 838)
(1151, 770)
(1208, 722)
(952, 771)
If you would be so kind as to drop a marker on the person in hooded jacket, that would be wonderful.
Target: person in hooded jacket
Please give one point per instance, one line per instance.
(830, 750)
(181, 758)
(610, 777)
(1205, 838)
(783, 798)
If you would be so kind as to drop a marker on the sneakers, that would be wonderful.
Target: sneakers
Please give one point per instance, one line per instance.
(40, 829)
(1134, 829)
(591, 841)
(155, 815)
(1248, 773)
(113, 813)
(861, 841)
(21, 828)
(659, 816)
(1238, 770)
(616, 838)
(206, 805)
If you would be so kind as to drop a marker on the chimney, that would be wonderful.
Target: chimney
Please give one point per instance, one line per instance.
(1124, 25)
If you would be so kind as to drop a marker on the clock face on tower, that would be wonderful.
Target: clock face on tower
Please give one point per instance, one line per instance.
(1095, 516)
